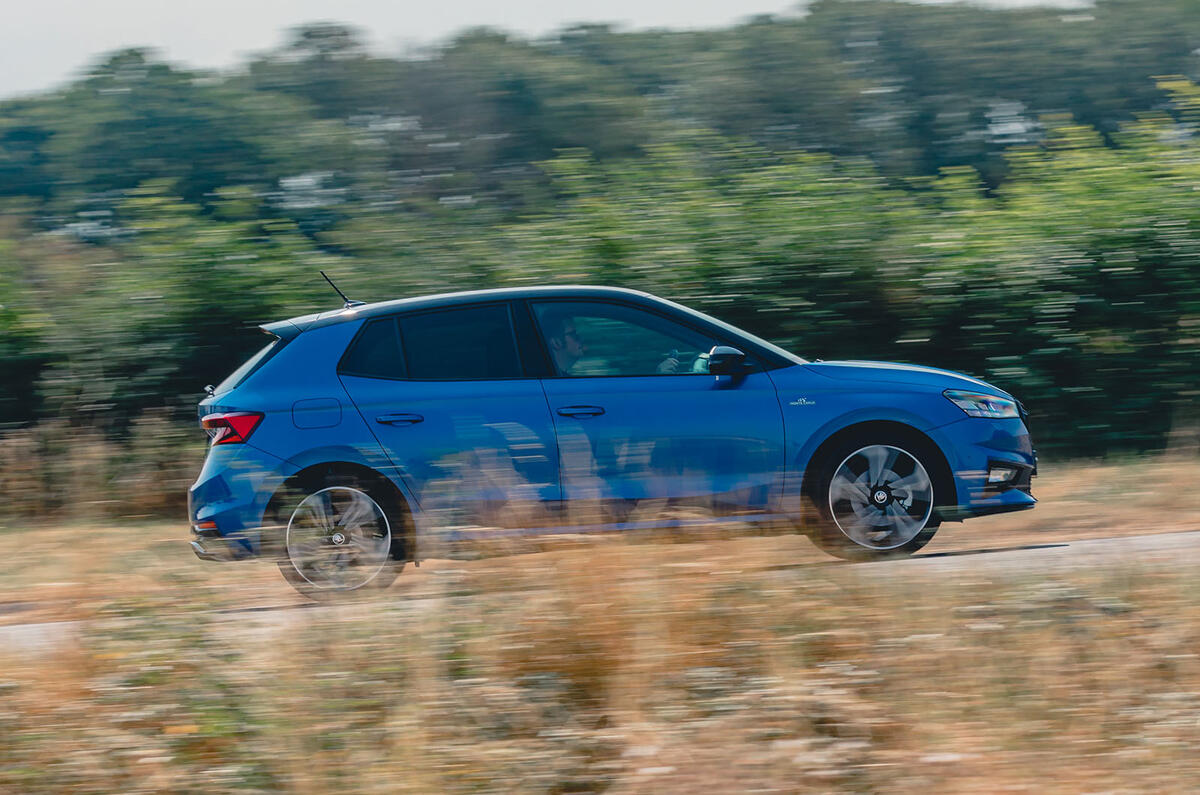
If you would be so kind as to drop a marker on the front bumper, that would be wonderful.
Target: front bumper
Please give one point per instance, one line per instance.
(957, 513)
(978, 447)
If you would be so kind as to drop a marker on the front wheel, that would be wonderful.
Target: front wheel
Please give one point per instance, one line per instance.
(875, 499)
(338, 541)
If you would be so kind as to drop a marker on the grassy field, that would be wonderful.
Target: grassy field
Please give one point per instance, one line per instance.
(735, 664)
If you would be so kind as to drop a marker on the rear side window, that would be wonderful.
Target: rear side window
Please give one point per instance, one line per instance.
(473, 343)
(375, 352)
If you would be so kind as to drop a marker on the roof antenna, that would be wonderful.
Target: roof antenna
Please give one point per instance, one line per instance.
(349, 304)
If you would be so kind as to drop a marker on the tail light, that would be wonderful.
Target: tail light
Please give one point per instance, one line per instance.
(233, 427)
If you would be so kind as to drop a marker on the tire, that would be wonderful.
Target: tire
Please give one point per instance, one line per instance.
(875, 497)
(340, 537)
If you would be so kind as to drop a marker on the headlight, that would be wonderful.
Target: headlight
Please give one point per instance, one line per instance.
(977, 404)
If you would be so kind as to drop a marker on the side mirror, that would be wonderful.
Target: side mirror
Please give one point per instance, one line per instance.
(724, 360)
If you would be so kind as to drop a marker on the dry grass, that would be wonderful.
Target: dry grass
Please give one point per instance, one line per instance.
(617, 665)
(71, 473)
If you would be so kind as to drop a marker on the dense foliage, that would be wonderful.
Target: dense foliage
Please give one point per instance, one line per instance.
(1009, 193)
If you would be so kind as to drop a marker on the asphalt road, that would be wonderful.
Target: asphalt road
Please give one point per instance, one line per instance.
(1172, 551)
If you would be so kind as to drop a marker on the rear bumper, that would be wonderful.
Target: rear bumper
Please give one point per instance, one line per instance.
(202, 553)
(227, 502)
(210, 548)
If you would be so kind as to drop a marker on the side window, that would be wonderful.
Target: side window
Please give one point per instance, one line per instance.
(593, 338)
(375, 352)
(473, 343)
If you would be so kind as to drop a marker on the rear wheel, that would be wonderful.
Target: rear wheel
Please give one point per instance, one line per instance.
(338, 540)
(875, 498)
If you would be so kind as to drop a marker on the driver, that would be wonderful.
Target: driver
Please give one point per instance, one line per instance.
(565, 345)
(568, 350)
(670, 364)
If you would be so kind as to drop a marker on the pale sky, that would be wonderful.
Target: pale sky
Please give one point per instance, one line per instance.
(47, 42)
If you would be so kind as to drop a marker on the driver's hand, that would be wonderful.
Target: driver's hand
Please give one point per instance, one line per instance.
(669, 365)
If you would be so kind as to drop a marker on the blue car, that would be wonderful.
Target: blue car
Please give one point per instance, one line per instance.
(363, 438)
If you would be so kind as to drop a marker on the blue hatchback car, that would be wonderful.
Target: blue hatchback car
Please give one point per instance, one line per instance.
(363, 438)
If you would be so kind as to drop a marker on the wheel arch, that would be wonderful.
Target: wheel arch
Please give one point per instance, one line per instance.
(943, 476)
(400, 511)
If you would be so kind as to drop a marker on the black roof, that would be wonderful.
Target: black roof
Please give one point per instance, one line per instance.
(294, 326)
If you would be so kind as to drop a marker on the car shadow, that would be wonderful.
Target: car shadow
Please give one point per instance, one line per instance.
(266, 608)
(928, 555)
(990, 550)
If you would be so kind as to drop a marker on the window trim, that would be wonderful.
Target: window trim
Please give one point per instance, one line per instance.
(396, 318)
(752, 358)
(535, 357)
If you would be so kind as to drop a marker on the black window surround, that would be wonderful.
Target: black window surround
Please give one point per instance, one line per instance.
(533, 354)
(398, 320)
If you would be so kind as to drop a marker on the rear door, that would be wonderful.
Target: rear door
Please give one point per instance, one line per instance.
(448, 399)
(643, 427)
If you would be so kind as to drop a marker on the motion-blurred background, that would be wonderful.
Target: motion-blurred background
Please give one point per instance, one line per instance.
(1005, 189)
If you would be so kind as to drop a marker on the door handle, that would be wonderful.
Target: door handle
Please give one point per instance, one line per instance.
(399, 419)
(581, 411)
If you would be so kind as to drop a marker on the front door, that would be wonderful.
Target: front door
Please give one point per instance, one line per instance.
(644, 431)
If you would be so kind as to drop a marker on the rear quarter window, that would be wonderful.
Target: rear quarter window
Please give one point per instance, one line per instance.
(375, 352)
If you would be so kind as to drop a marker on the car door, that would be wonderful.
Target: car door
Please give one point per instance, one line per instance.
(643, 427)
(447, 397)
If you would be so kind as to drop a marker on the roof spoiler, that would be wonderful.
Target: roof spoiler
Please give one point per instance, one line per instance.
(284, 329)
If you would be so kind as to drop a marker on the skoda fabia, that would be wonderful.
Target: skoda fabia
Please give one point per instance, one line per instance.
(363, 438)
